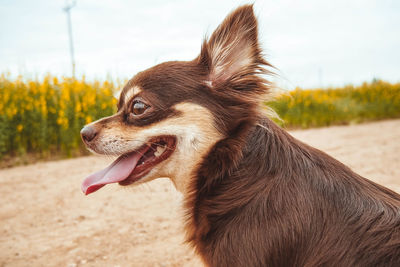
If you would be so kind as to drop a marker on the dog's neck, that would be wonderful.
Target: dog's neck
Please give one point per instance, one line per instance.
(237, 169)
(223, 159)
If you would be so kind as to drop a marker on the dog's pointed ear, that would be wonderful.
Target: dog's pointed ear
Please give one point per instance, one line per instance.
(232, 51)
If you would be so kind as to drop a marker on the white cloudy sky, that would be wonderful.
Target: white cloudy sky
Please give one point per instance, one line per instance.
(311, 42)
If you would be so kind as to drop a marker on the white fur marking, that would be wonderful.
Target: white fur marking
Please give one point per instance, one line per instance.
(208, 83)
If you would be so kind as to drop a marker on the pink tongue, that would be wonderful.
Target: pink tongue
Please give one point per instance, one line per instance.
(118, 171)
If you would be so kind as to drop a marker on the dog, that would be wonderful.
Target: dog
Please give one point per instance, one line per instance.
(254, 195)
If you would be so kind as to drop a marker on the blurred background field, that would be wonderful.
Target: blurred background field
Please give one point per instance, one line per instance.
(342, 70)
(304, 108)
(42, 118)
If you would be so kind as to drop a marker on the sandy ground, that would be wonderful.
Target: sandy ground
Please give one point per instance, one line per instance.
(45, 220)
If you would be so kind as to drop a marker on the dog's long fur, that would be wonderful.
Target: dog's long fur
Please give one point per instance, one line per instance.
(254, 195)
(288, 204)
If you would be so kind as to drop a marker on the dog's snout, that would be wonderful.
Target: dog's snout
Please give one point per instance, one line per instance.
(88, 133)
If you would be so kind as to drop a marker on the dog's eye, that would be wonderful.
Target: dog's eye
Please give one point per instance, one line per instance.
(139, 107)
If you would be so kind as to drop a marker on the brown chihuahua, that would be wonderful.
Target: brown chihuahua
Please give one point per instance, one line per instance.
(254, 195)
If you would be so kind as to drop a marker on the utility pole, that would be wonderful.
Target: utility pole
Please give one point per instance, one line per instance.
(67, 9)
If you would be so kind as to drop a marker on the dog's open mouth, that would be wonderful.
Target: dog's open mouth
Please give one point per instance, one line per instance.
(131, 167)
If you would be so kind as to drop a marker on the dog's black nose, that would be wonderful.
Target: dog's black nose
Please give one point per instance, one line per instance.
(88, 133)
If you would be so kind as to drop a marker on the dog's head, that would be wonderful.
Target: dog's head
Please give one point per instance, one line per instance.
(170, 116)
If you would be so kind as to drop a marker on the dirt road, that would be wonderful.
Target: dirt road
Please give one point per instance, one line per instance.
(45, 220)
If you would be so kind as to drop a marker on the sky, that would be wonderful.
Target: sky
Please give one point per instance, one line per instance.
(312, 43)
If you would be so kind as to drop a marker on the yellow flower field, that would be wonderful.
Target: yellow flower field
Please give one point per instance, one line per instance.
(350, 104)
(45, 117)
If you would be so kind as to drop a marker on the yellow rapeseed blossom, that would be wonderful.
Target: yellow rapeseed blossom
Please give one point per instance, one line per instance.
(321, 107)
(50, 112)
(88, 119)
